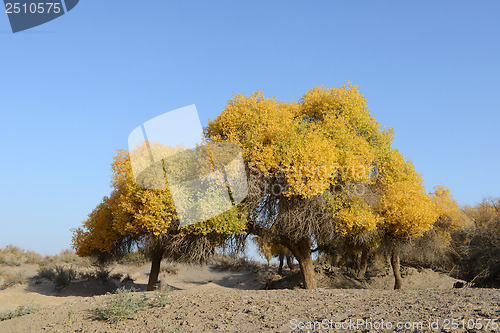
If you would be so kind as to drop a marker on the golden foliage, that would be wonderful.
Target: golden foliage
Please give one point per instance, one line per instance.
(485, 215)
(405, 206)
(329, 138)
(450, 216)
(134, 211)
(330, 129)
(96, 233)
(353, 215)
(325, 140)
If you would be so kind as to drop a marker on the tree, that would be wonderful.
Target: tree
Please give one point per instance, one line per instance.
(480, 245)
(268, 250)
(302, 158)
(97, 238)
(407, 210)
(264, 249)
(146, 214)
(435, 248)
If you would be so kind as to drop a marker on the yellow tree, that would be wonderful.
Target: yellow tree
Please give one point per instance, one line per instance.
(268, 250)
(298, 152)
(147, 214)
(437, 247)
(451, 217)
(97, 237)
(407, 210)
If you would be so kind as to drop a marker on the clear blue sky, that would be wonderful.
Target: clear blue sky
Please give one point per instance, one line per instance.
(72, 90)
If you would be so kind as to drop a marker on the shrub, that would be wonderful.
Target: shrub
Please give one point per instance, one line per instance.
(11, 255)
(128, 278)
(122, 305)
(102, 273)
(136, 258)
(47, 273)
(20, 311)
(117, 276)
(49, 260)
(63, 277)
(162, 298)
(170, 269)
(479, 247)
(11, 280)
(31, 257)
(231, 263)
(68, 256)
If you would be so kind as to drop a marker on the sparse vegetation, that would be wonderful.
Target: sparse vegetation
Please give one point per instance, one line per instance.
(70, 318)
(68, 256)
(170, 269)
(224, 263)
(22, 310)
(121, 305)
(63, 276)
(15, 256)
(11, 280)
(162, 298)
(48, 273)
(127, 278)
(479, 247)
(136, 258)
(102, 274)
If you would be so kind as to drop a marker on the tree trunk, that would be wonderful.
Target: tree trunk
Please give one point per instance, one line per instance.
(357, 264)
(156, 258)
(282, 258)
(398, 281)
(335, 259)
(364, 264)
(302, 251)
(289, 262)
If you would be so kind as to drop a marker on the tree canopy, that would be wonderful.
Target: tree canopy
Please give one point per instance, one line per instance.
(322, 167)
(148, 216)
(320, 170)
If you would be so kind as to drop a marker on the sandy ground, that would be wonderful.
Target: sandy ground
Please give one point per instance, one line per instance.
(210, 300)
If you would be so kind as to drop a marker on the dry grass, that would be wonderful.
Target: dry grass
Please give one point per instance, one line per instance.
(225, 263)
(121, 305)
(15, 256)
(11, 280)
(124, 304)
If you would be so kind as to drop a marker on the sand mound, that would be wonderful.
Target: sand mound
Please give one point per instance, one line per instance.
(329, 277)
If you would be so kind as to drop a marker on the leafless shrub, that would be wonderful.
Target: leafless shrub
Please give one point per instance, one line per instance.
(63, 277)
(48, 273)
(11, 280)
(135, 258)
(171, 269)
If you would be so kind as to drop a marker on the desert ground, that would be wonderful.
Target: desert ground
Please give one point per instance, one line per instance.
(236, 296)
